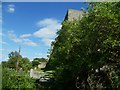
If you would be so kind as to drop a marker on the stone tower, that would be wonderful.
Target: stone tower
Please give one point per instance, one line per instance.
(73, 15)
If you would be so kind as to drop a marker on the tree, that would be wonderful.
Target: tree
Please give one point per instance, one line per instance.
(11, 79)
(87, 45)
(4, 64)
(12, 61)
(24, 63)
(13, 54)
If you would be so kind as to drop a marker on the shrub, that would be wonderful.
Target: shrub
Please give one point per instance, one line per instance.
(12, 79)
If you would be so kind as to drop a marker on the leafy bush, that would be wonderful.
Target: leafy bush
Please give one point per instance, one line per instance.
(88, 44)
(12, 79)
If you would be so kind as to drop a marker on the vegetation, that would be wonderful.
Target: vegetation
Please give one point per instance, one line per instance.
(12, 79)
(24, 63)
(85, 55)
(16, 79)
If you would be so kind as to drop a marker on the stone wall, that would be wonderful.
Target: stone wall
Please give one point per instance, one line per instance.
(42, 65)
(34, 74)
(73, 15)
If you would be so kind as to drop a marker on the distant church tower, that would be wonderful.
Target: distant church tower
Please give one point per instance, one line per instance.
(18, 60)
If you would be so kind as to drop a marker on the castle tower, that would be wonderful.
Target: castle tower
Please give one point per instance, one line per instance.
(73, 15)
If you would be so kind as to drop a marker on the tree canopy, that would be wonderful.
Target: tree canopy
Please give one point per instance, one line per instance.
(24, 62)
(88, 45)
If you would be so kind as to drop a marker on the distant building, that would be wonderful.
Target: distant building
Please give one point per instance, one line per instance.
(73, 15)
(42, 65)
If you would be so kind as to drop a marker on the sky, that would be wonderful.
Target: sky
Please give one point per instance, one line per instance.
(32, 26)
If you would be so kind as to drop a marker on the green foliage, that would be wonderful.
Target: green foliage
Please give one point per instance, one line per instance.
(24, 63)
(90, 43)
(3, 64)
(85, 55)
(13, 54)
(11, 63)
(0, 76)
(11, 79)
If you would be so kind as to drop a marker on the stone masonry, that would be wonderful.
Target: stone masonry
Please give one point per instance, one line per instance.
(73, 15)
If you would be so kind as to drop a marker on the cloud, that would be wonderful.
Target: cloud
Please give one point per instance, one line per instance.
(41, 55)
(13, 37)
(47, 22)
(2, 42)
(46, 33)
(20, 39)
(48, 28)
(1, 34)
(1, 49)
(25, 35)
(1, 20)
(29, 42)
(47, 41)
(11, 8)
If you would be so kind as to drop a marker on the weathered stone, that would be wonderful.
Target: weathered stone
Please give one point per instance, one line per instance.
(42, 65)
(34, 74)
(73, 15)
